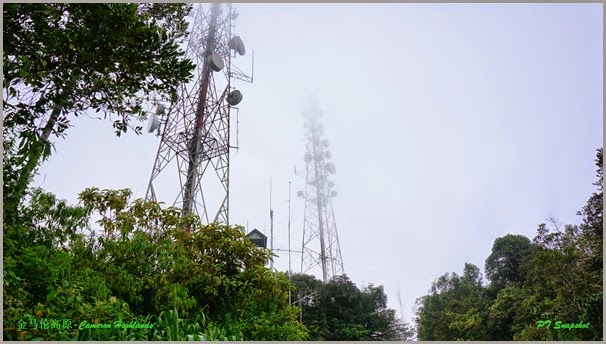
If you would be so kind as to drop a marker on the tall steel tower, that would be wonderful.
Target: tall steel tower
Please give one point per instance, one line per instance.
(320, 246)
(196, 134)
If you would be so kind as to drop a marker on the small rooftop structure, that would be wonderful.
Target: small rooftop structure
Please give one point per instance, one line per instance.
(257, 238)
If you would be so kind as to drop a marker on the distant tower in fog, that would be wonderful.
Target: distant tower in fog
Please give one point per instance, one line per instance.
(320, 247)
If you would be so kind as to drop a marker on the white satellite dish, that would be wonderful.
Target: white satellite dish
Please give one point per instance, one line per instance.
(237, 44)
(215, 62)
(234, 98)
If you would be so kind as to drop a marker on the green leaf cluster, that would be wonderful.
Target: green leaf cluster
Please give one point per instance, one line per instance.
(339, 310)
(137, 262)
(63, 60)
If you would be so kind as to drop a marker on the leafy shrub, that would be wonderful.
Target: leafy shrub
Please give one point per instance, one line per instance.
(137, 262)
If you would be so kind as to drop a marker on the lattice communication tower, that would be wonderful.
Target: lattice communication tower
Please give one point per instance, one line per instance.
(196, 128)
(320, 247)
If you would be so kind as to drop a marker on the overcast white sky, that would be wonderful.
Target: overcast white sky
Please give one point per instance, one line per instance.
(450, 125)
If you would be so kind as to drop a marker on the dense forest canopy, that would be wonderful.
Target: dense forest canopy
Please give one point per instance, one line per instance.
(339, 310)
(138, 264)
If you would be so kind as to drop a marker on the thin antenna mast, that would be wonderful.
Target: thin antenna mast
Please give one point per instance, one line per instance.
(289, 268)
(271, 228)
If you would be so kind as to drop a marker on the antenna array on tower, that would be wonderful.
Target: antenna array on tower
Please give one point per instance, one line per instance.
(196, 133)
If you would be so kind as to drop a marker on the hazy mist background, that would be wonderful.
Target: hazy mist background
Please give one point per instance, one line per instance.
(450, 125)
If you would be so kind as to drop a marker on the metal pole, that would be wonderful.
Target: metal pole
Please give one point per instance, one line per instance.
(289, 268)
(271, 220)
(300, 305)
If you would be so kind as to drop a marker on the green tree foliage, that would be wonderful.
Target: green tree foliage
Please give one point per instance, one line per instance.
(591, 228)
(565, 274)
(137, 263)
(504, 318)
(592, 258)
(64, 59)
(564, 285)
(503, 266)
(338, 310)
(455, 309)
(556, 277)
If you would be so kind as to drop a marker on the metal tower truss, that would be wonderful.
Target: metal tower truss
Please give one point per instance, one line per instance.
(320, 246)
(196, 128)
